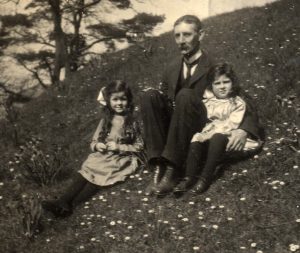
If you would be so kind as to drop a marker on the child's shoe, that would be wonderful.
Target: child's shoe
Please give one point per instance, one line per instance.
(57, 208)
(201, 186)
(184, 185)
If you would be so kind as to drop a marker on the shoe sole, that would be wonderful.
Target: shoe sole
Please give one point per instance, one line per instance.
(161, 195)
(178, 194)
(56, 211)
(199, 192)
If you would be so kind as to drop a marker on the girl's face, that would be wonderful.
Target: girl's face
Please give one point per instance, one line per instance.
(222, 87)
(118, 102)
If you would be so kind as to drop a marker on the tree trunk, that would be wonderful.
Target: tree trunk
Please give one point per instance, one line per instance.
(74, 52)
(61, 54)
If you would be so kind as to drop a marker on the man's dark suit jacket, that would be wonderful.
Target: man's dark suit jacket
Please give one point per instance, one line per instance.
(198, 82)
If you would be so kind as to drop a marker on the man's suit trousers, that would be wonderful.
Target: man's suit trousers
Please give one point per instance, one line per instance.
(167, 130)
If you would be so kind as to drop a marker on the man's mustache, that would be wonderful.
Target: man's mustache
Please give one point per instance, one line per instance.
(183, 47)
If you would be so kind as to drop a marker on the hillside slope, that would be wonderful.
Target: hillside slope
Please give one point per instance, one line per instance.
(263, 45)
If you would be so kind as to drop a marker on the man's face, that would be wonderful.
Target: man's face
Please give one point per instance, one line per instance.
(187, 38)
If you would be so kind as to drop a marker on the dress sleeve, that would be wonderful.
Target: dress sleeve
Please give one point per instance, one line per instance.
(251, 122)
(96, 135)
(224, 126)
(138, 143)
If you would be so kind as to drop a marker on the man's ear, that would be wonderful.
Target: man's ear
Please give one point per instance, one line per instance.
(201, 34)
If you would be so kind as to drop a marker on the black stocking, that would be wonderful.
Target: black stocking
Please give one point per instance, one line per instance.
(87, 192)
(215, 150)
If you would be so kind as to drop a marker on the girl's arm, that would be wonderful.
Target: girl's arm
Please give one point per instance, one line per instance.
(223, 126)
(251, 122)
(96, 135)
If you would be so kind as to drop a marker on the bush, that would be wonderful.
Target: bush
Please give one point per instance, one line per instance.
(44, 167)
(29, 212)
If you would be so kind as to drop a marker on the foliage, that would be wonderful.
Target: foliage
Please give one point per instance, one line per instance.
(30, 212)
(68, 47)
(143, 22)
(14, 20)
(8, 22)
(37, 165)
(108, 30)
(122, 4)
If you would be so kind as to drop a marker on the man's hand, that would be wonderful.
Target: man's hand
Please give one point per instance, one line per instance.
(112, 146)
(197, 138)
(237, 140)
(101, 147)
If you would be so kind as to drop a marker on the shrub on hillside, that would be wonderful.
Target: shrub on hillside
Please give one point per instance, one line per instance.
(29, 213)
(42, 166)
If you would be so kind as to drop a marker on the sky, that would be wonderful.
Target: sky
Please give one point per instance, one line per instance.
(172, 9)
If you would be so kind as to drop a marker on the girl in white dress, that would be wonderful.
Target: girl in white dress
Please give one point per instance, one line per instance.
(225, 112)
(115, 147)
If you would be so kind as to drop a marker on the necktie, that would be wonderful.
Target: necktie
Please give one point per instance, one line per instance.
(189, 68)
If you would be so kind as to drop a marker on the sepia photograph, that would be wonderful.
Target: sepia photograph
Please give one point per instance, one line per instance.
(150, 126)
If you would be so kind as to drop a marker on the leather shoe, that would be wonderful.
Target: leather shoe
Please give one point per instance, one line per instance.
(158, 173)
(185, 184)
(57, 208)
(167, 183)
(201, 186)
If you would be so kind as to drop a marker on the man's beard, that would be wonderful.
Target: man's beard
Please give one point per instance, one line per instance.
(195, 50)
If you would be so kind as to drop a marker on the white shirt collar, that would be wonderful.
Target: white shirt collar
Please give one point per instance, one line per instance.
(195, 56)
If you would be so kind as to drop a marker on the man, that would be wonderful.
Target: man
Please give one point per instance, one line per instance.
(168, 129)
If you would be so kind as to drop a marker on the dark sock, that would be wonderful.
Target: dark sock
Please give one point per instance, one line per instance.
(88, 191)
(196, 152)
(216, 149)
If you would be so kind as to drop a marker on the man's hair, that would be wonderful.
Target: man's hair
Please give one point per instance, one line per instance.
(189, 19)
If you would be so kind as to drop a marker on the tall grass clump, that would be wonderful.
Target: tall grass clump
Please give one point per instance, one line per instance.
(44, 167)
(29, 213)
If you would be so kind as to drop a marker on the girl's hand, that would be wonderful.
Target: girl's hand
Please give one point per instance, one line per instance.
(112, 146)
(101, 147)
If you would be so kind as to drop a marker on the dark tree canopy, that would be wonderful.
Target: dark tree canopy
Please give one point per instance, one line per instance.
(142, 22)
(9, 21)
(121, 4)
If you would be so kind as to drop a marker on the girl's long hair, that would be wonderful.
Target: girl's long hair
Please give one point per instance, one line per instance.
(108, 112)
(227, 70)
